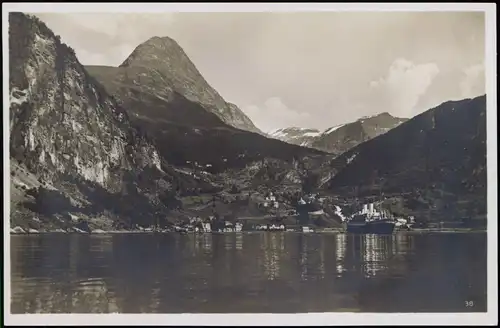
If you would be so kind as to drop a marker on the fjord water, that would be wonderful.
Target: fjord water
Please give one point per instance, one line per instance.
(254, 272)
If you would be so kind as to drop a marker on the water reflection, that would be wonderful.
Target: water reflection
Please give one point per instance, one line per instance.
(239, 241)
(321, 268)
(264, 272)
(340, 250)
(272, 253)
(303, 259)
(207, 242)
(375, 254)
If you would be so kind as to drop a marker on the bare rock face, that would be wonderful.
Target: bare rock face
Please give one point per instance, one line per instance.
(61, 120)
(160, 72)
(63, 124)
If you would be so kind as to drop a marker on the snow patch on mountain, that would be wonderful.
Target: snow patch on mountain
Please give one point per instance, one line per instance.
(330, 130)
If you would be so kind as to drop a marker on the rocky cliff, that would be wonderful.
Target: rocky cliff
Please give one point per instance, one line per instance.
(158, 72)
(68, 137)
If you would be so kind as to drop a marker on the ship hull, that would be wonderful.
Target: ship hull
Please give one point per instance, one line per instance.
(382, 227)
(356, 227)
(377, 227)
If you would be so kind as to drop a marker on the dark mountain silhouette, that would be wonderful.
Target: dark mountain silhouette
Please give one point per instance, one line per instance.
(436, 160)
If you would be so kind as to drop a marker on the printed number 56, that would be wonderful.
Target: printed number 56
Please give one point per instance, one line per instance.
(469, 303)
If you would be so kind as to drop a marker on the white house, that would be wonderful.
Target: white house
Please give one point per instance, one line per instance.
(207, 227)
(270, 197)
(401, 222)
(229, 227)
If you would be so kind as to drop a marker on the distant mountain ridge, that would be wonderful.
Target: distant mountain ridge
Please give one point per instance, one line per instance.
(295, 135)
(340, 138)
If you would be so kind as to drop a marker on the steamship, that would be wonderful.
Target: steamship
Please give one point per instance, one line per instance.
(371, 221)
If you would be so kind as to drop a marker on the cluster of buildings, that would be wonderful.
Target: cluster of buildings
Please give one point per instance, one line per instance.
(270, 201)
(281, 227)
(230, 227)
(209, 226)
(403, 223)
(270, 227)
(196, 224)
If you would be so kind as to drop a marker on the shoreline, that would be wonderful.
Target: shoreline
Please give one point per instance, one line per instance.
(336, 231)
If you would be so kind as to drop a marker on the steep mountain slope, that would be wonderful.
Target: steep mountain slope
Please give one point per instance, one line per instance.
(167, 98)
(159, 74)
(436, 161)
(340, 138)
(72, 146)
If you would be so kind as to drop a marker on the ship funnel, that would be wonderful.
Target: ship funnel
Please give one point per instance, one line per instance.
(371, 208)
(365, 208)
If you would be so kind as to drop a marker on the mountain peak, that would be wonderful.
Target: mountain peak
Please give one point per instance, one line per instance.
(159, 69)
(379, 115)
(155, 51)
(160, 43)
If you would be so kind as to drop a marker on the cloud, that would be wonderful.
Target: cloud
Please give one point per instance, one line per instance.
(473, 82)
(106, 38)
(403, 86)
(117, 55)
(274, 114)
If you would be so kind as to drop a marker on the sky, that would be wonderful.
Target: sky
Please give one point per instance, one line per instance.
(310, 69)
